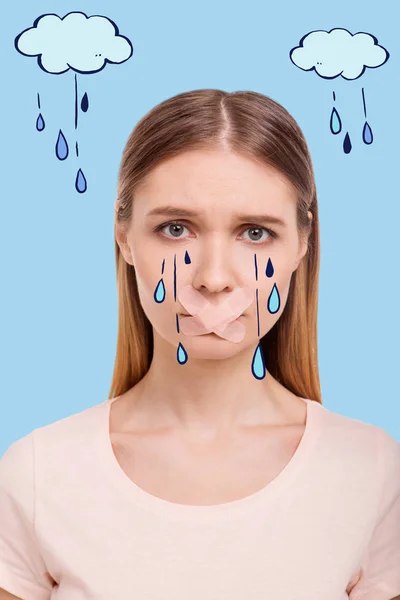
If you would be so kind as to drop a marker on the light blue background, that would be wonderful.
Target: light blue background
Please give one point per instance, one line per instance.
(59, 305)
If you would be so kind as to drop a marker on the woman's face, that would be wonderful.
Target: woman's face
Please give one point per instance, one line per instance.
(225, 233)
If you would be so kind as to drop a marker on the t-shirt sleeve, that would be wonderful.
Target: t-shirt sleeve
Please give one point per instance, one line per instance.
(379, 576)
(22, 568)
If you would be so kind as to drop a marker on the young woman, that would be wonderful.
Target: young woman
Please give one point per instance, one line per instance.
(213, 471)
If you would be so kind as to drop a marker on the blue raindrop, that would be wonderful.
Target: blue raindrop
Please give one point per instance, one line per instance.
(258, 363)
(181, 355)
(269, 271)
(159, 294)
(347, 144)
(187, 258)
(40, 124)
(274, 300)
(335, 123)
(61, 147)
(80, 182)
(368, 138)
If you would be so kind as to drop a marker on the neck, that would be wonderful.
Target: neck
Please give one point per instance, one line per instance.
(210, 395)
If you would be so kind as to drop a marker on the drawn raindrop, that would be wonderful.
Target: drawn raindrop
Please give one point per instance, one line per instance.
(187, 258)
(85, 102)
(61, 147)
(80, 182)
(40, 124)
(159, 294)
(269, 271)
(367, 136)
(177, 323)
(347, 144)
(258, 363)
(181, 355)
(76, 149)
(162, 267)
(335, 123)
(274, 300)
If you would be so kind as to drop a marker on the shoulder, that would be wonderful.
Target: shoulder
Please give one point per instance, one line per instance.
(345, 428)
(358, 444)
(46, 447)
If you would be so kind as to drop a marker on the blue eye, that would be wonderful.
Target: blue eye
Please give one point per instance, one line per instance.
(177, 224)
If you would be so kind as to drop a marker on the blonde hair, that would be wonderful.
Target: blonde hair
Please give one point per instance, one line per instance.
(256, 126)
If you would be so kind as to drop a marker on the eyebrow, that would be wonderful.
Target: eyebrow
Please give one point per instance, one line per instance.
(174, 211)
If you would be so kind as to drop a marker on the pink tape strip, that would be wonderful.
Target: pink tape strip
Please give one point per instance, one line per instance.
(233, 332)
(207, 318)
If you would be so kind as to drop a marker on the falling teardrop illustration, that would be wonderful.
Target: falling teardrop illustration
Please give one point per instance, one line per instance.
(258, 363)
(269, 271)
(367, 135)
(85, 102)
(347, 144)
(61, 147)
(335, 123)
(159, 294)
(80, 182)
(40, 124)
(181, 355)
(274, 300)
(187, 258)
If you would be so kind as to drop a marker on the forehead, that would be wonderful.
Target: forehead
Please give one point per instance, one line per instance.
(216, 180)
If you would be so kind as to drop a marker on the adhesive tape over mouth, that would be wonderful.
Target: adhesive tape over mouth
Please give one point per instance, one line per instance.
(209, 318)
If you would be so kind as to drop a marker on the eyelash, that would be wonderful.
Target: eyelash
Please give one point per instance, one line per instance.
(272, 233)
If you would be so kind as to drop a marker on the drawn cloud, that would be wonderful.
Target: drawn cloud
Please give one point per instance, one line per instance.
(337, 53)
(83, 44)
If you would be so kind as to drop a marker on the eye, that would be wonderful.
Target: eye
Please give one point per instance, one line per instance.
(175, 229)
(258, 231)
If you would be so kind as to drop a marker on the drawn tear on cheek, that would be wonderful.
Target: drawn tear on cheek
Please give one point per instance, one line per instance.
(274, 300)
(258, 367)
(269, 271)
(159, 293)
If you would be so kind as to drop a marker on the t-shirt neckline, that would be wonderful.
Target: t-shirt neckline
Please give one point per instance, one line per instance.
(130, 490)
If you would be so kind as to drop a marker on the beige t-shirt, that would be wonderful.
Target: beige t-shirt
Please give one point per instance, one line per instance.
(73, 526)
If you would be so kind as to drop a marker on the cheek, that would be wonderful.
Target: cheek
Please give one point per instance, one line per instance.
(155, 280)
(273, 290)
(150, 271)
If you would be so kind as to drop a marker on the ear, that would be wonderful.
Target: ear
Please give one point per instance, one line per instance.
(303, 245)
(121, 239)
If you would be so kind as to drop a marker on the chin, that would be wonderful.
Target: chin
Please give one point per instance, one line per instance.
(209, 347)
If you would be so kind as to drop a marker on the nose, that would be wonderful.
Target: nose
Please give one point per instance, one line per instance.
(214, 269)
